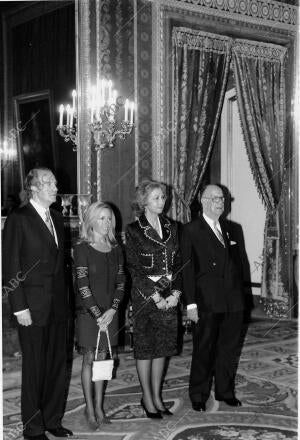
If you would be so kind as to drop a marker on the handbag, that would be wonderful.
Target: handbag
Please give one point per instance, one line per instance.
(102, 370)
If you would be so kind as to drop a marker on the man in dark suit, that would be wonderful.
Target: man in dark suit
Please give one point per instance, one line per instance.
(33, 269)
(215, 303)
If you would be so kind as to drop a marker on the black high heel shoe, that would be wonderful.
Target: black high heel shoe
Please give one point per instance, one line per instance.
(166, 412)
(151, 415)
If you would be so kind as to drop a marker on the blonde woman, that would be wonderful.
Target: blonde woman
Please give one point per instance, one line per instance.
(100, 279)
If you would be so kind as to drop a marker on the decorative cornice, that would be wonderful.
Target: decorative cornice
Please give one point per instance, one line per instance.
(262, 12)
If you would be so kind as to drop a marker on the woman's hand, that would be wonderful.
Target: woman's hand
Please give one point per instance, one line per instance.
(104, 320)
(162, 304)
(172, 301)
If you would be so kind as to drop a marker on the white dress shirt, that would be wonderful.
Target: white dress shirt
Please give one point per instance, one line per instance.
(41, 210)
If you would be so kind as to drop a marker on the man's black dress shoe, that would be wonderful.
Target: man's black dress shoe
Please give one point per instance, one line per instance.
(199, 406)
(36, 437)
(60, 432)
(232, 402)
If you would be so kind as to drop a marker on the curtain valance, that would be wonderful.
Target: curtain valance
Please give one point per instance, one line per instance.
(201, 40)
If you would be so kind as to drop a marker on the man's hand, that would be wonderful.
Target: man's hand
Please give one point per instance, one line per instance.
(192, 314)
(24, 318)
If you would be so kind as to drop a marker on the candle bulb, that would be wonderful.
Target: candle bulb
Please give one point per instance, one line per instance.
(126, 110)
(114, 98)
(68, 114)
(71, 117)
(131, 115)
(92, 114)
(61, 114)
(74, 95)
(109, 92)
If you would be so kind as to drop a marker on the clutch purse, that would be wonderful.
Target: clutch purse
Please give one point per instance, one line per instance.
(102, 370)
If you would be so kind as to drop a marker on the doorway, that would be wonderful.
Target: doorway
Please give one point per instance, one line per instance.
(247, 208)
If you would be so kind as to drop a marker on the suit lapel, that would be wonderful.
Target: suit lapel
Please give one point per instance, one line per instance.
(151, 233)
(211, 233)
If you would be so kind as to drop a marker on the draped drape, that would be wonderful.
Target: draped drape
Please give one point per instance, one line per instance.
(260, 84)
(201, 65)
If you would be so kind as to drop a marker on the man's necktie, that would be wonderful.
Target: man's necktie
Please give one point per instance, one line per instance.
(219, 234)
(49, 223)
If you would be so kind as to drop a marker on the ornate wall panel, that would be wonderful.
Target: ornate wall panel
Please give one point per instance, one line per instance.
(264, 12)
(144, 74)
(106, 50)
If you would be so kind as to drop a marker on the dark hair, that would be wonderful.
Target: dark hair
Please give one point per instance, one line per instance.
(32, 178)
(142, 192)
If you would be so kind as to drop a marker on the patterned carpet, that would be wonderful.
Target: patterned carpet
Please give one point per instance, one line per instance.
(266, 383)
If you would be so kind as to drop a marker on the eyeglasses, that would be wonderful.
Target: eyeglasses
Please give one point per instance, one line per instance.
(215, 199)
(48, 182)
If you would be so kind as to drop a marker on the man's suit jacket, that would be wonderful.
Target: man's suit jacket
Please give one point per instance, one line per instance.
(33, 266)
(210, 277)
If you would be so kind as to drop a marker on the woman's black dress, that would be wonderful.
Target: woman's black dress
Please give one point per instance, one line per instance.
(155, 331)
(100, 281)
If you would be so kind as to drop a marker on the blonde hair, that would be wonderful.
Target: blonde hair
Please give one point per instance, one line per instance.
(90, 217)
(143, 191)
(32, 178)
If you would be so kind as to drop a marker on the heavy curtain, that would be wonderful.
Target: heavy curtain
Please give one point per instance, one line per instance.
(260, 84)
(201, 65)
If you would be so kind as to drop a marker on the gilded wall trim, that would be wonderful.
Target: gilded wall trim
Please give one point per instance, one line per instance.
(83, 79)
(262, 12)
(156, 92)
(136, 129)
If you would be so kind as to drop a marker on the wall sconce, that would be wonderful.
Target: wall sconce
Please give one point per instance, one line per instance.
(68, 130)
(103, 108)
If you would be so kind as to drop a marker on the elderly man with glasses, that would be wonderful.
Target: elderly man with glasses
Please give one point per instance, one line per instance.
(215, 302)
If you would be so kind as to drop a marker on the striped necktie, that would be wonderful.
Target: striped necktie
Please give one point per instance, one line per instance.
(49, 223)
(219, 234)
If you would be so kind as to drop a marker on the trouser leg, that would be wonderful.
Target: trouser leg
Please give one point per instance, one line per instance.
(33, 367)
(227, 352)
(54, 391)
(205, 334)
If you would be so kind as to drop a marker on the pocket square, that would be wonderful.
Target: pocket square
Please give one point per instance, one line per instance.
(232, 242)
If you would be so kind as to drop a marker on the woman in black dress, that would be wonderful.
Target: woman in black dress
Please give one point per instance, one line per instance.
(100, 279)
(153, 260)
